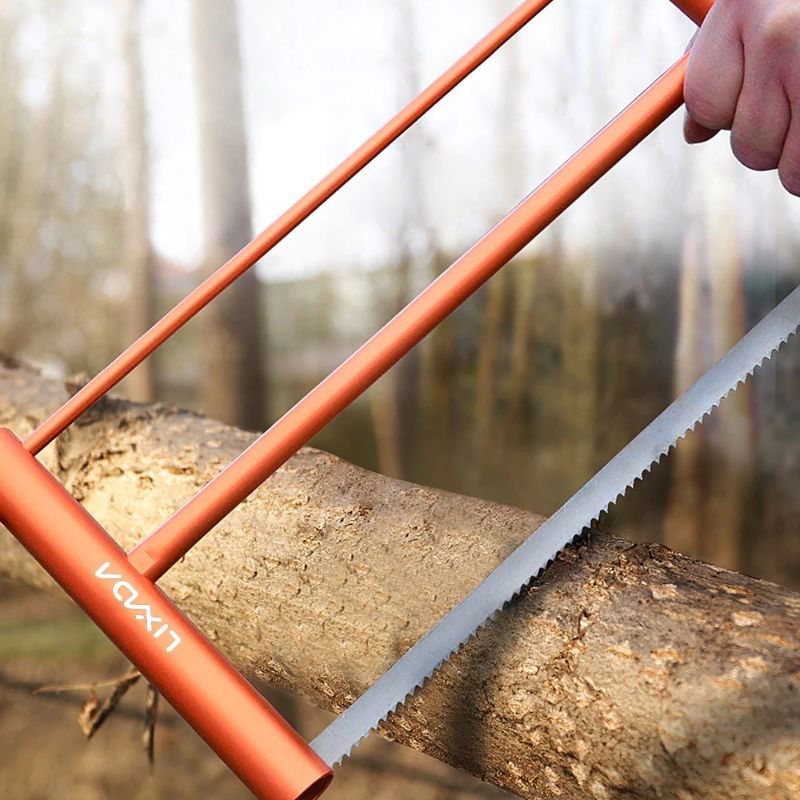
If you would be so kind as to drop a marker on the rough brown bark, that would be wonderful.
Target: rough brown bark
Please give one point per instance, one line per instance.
(629, 671)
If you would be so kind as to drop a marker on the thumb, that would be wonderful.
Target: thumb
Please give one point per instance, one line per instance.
(694, 132)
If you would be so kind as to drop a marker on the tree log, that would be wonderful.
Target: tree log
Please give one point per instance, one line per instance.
(626, 671)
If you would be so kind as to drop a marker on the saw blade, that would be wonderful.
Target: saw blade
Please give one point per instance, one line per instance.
(543, 545)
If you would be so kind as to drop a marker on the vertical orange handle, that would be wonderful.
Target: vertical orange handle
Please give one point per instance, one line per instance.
(204, 688)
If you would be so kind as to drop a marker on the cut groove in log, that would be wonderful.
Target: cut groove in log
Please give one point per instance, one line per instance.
(626, 671)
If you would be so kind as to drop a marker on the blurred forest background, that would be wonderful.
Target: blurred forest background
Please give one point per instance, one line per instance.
(143, 143)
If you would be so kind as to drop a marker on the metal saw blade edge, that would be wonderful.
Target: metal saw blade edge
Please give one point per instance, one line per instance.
(509, 578)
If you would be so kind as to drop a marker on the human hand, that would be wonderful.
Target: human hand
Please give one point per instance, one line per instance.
(744, 76)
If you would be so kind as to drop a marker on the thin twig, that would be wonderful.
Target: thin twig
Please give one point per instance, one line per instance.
(82, 687)
(150, 719)
(111, 702)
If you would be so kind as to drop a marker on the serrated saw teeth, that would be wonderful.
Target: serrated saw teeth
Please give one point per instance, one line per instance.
(511, 576)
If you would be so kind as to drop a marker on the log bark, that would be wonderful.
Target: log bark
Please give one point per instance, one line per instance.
(626, 671)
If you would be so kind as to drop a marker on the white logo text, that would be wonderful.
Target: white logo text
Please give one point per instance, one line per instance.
(126, 594)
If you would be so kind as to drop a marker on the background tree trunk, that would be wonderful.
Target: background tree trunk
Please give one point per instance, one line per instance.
(29, 261)
(627, 671)
(731, 484)
(233, 380)
(683, 516)
(395, 401)
(140, 307)
(707, 513)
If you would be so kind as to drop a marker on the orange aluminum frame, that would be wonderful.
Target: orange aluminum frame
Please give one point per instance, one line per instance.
(118, 591)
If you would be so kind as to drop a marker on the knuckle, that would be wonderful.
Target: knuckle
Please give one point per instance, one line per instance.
(704, 108)
(779, 27)
(749, 154)
(789, 175)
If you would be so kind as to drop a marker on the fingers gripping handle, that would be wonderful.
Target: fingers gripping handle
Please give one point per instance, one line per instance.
(205, 689)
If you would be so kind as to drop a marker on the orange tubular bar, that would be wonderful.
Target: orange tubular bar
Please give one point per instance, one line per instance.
(205, 689)
(696, 10)
(156, 554)
(280, 228)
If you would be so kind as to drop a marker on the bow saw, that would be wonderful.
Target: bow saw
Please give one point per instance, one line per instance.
(118, 590)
